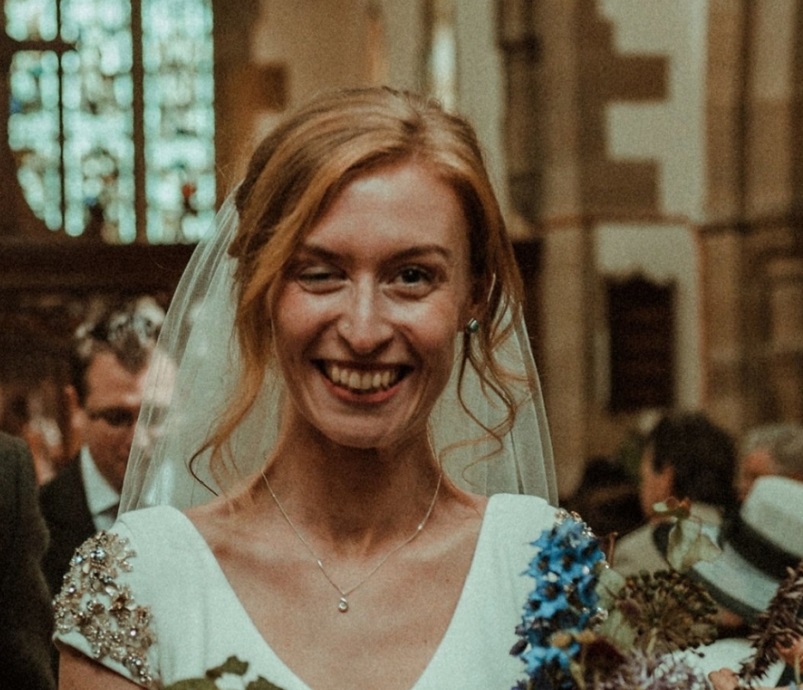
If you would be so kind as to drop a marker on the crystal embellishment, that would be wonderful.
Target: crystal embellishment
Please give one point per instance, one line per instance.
(93, 603)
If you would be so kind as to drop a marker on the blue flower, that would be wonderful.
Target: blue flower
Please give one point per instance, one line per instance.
(565, 568)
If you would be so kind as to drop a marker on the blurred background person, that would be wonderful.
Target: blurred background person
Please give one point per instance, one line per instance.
(759, 545)
(25, 615)
(771, 449)
(20, 416)
(607, 498)
(685, 455)
(109, 364)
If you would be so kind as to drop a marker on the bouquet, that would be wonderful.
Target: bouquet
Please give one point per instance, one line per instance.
(778, 631)
(584, 627)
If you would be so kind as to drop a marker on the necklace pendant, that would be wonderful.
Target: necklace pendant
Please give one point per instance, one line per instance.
(343, 605)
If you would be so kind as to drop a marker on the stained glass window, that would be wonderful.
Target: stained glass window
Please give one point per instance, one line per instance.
(111, 115)
(441, 68)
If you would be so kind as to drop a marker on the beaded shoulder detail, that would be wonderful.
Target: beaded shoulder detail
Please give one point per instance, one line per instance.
(93, 602)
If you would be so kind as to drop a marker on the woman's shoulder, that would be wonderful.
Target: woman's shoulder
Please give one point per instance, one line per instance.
(101, 600)
(505, 506)
(520, 518)
(122, 582)
(146, 518)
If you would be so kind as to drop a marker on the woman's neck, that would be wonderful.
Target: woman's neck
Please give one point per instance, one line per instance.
(358, 499)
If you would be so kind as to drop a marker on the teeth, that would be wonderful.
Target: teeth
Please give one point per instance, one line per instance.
(362, 381)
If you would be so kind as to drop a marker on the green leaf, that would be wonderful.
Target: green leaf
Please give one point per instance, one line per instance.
(261, 684)
(618, 630)
(232, 665)
(192, 684)
(688, 544)
(609, 585)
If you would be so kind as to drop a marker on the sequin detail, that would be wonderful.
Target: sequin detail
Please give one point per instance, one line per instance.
(101, 609)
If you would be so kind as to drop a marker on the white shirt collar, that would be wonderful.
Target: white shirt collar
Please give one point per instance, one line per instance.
(100, 495)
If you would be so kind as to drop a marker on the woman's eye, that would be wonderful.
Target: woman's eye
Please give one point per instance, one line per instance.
(318, 278)
(413, 275)
(415, 278)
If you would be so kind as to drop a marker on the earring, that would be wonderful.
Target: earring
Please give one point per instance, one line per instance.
(472, 326)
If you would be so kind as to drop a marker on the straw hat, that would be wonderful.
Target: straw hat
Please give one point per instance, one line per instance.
(757, 546)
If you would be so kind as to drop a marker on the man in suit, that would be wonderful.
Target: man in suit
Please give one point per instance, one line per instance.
(109, 364)
(25, 614)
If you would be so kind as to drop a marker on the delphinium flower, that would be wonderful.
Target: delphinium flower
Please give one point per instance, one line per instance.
(585, 627)
(562, 606)
(779, 624)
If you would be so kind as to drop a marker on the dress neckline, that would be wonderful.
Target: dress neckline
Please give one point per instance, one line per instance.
(460, 610)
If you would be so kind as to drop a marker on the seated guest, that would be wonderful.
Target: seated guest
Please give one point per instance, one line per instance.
(759, 546)
(685, 456)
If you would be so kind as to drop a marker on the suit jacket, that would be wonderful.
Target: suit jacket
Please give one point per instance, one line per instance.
(64, 505)
(26, 618)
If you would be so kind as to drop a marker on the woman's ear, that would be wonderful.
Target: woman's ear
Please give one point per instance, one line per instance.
(477, 306)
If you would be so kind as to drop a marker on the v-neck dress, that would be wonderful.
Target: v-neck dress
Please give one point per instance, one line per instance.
(149, 600)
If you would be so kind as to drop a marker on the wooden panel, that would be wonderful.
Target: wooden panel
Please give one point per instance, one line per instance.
(89, 267)
(641, 322)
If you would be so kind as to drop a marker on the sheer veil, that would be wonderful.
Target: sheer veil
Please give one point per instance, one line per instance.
(198, 339)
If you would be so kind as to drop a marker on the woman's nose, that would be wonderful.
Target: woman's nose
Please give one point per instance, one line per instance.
(364, 322)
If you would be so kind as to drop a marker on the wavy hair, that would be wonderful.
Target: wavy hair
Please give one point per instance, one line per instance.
(294, 176)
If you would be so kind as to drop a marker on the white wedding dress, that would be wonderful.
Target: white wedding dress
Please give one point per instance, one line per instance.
(150, 601)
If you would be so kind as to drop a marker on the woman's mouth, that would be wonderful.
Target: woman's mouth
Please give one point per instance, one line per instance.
(363, 381)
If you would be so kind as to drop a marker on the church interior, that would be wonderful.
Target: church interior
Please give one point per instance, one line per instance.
(648, 155)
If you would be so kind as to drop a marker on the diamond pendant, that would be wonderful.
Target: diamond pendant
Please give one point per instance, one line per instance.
(343, 606)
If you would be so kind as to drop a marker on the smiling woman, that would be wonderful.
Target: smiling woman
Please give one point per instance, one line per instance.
(384, 305)
(334, 457)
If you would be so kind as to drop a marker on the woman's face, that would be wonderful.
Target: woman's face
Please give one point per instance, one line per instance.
(370, 305)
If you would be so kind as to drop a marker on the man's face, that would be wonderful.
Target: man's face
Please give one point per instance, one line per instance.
(107, 418)
(655, 485)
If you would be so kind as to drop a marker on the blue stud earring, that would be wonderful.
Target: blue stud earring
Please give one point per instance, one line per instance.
(472, 326)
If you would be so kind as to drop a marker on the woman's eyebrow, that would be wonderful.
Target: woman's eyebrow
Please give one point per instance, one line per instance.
(311, 250)
(317, 251)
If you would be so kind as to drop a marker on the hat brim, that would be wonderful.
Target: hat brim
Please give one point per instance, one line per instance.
(736, 584)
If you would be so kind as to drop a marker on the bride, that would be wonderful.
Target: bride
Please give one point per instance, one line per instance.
(355, 381)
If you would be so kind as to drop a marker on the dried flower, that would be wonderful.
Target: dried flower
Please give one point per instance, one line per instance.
(666, 610)
(643, 671)
(780, 623)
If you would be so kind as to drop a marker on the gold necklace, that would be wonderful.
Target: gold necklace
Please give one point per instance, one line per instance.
(343, 603)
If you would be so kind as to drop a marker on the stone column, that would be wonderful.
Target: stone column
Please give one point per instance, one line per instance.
(785, 356)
